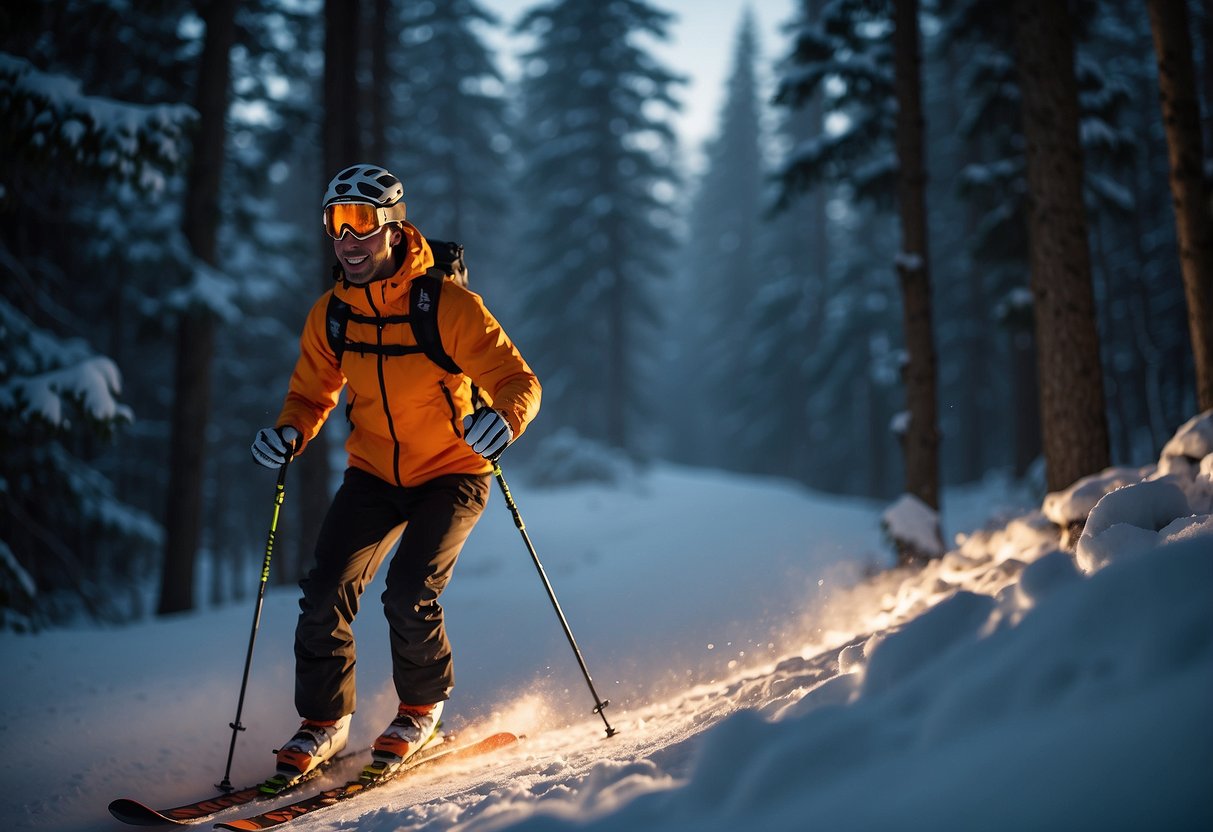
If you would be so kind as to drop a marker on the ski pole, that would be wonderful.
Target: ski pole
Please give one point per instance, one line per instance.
(599, 703)
(279, 491)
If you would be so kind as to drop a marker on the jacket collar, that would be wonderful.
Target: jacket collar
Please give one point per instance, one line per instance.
(390, 291)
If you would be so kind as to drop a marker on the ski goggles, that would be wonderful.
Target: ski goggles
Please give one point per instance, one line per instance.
(361, 219)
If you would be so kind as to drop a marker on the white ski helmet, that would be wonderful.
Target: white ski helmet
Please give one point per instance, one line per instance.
(366, 183)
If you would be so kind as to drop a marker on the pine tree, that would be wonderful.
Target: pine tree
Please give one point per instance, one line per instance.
(596, 151)
(448, 131)
(850, 47)
(786, 322)
(723, 275)
(788, 327)
(1140, 310)
(71, 157)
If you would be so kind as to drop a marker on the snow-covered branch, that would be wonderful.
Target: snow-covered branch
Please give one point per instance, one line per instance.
(49, 116)
(45, 380)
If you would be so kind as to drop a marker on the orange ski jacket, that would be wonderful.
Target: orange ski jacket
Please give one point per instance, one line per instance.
(406, 411)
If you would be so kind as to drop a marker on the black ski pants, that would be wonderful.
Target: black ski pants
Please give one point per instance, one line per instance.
(368, 516)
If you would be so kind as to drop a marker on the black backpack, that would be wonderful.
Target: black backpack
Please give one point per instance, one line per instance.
(424, 293)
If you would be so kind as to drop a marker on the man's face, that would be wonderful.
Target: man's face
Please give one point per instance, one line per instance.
(366, 260)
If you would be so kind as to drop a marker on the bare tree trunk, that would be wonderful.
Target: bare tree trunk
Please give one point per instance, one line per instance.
(341, 149)
(382, 36)
(1073, 415)
(1206, 69)
(1189, 188)
(196, 330)
(921, 439)
(1026, 395)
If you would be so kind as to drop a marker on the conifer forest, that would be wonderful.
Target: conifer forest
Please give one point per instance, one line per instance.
(927, 242)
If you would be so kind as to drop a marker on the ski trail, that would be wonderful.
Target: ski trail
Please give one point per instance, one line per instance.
(574, 772)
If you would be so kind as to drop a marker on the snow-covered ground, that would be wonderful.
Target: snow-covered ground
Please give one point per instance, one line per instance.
(758, 679)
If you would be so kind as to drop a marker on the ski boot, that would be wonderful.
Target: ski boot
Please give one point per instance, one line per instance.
(312, 747)
(414, 727)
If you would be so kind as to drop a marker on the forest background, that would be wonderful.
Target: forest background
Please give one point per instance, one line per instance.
(922, 246)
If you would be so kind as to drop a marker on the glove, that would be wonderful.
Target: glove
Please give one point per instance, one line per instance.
(487, 432)
(274, 446)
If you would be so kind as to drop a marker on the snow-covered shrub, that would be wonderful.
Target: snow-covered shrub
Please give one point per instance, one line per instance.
(913, 528)
(568, 457)
(1188, 460)
(1068, 509)
(1193, 440)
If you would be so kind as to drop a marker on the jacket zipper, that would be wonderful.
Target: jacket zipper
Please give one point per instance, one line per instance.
(387, 410)
(450, 403)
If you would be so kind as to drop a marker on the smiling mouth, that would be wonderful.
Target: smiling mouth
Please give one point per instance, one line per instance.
(356, 261)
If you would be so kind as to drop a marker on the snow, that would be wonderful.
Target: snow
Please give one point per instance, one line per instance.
(909, 261)
(1074, 503)
(1134, 514)
(95, 382)
(761, 673)
(92, 130)
(9, 562)
(912, 521)
(41, 372)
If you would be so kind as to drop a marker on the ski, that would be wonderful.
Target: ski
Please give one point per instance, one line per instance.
(140, 814)
(371, 778)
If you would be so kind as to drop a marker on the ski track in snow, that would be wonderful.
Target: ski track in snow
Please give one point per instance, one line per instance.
(576, 770)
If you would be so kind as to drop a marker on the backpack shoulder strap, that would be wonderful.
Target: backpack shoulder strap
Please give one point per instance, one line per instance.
(423, 318)
(336, 320)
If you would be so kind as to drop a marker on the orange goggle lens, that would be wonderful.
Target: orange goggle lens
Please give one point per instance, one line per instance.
(360, 218)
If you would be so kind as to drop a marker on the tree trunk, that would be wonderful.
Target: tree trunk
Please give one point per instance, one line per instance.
(1189, 188)
(1206, 69)
(1026, 396)
(341, 149)
(196, 329)
(921, 439)
(1073, 415)
(383, 37)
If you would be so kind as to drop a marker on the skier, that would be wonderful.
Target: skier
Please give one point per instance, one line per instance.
(419, 465)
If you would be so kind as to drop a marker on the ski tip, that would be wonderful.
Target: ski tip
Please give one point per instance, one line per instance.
(134, 813)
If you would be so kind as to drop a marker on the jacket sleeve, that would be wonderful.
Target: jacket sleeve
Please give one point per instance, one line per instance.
(478, 344)
(317, 381)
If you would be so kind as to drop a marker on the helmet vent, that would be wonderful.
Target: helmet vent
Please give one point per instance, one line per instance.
(372, 183)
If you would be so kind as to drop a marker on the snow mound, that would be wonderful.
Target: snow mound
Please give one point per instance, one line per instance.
(1072, 505)
(1128, 520)
(1061, 720)
(1188, 460)
(913, 527)
(1193, 440)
